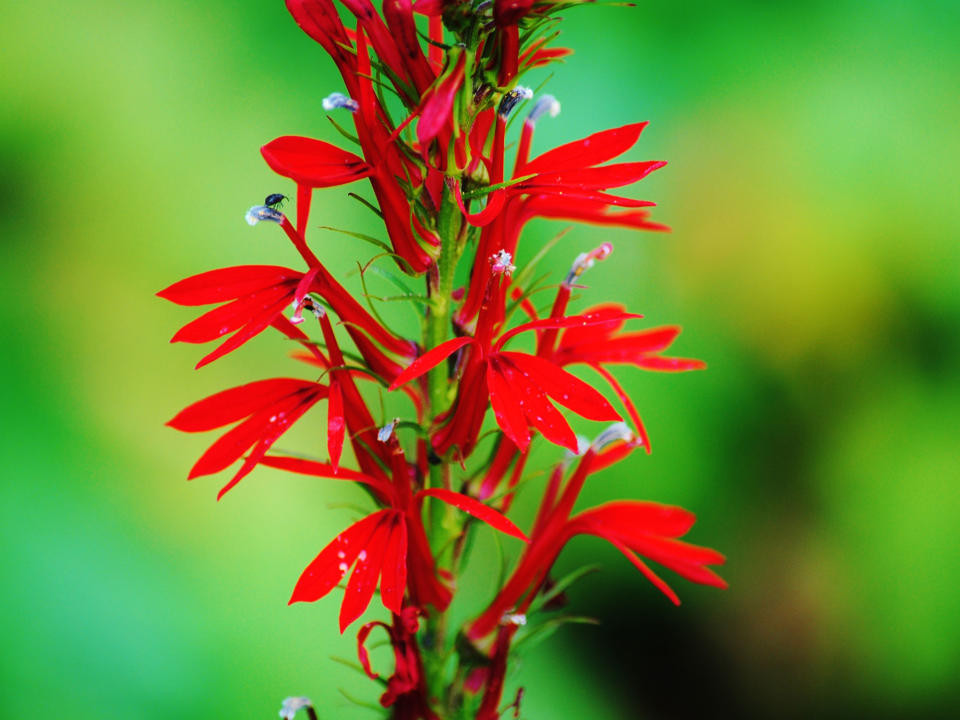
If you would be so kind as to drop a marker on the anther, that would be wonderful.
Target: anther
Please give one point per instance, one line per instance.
(518, 619)
(585, 261)
(618, 432)
(512, 98)
(259, 213)
(292, 704)
(335, 101)
(583, 444)
(386, 432)
(501, 263)
(306, 304)
(546, 105)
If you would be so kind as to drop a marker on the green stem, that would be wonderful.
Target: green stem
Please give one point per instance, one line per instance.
(444, 524)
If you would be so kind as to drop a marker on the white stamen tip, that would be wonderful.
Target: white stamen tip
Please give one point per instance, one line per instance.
(335, 101)
(259, 213)
(618, 432)
(518, 619)
(292, 704)
(502, 263)
(546, 105)
(585, 261)
(386, 432)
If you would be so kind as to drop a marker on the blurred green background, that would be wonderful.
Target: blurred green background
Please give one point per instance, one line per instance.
(814, 263)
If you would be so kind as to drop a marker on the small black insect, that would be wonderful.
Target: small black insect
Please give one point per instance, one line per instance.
(275, 201)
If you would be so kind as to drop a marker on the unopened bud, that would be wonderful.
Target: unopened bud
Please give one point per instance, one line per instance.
(335, 101)
(585, 261)
(512, 98)
(501, 263)
(546, 105)
(259, 213)
(618, 432)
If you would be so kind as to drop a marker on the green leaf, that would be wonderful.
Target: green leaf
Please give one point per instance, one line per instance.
(364, 201)
(361, 703)
(360, 236)
(561, 585)
(544, 630)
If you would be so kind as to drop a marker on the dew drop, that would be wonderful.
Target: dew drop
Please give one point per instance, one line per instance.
(343, 567)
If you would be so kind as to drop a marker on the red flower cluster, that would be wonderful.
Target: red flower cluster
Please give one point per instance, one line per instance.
(428, 174)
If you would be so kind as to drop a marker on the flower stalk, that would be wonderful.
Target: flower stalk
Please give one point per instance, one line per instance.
(450, 195)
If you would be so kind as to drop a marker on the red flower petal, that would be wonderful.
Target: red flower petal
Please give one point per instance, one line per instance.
(363, 581)
(393, 581)
(226, 284)
(329, 567)
(313, 163)
(225, 319)
(540, 413)
(572, 321)
(593, 150)
(231, 405)
(279, 422)
(336, 424)
(598, 178)
(506, 410)
(635, 518)
(670, 364)
(437, 109)
(230, 447)
(318, 469)
(492, 517)
(258, 323)
(429, 360)
(564, 388)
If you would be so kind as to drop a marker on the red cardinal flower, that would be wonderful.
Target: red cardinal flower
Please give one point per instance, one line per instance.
(517, 385)
(254, 296)
(270, 408)
(378, 544)
(633, 527)
(564, 183)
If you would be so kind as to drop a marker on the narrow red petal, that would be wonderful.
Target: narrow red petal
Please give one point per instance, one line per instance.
(540, 413)
(363, 580)
(313, 163)
(593, 150)
(429, 360)
(506, 410)
(564, 388)
(487, 514)
(657, 581)
(336, 424)
(318, 469)
(584, 320)
(393, 581)
(329, 567)
(635, 518)
(231, 405)
(226, 284)
(230, 317)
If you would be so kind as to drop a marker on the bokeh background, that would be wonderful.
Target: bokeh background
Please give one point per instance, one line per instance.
(814, 263)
